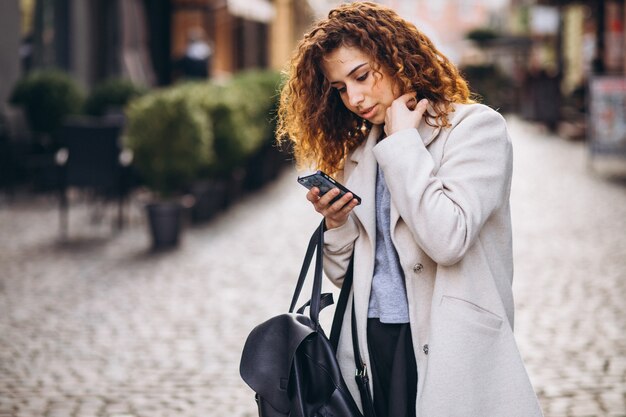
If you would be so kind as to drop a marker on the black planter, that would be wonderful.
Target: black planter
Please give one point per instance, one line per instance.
(209, 199)
(235, 185)
(165, 221)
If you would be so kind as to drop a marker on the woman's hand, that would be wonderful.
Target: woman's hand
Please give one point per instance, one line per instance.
(404, 113)
(335, 214)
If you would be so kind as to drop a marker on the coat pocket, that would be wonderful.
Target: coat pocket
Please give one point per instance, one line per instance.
(474, 367)
(472, 312)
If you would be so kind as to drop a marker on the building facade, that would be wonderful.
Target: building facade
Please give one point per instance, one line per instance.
(142, 40)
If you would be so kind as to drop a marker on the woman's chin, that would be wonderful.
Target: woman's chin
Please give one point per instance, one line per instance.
(377, 121)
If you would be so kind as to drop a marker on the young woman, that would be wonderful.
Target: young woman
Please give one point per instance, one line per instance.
(370, 100)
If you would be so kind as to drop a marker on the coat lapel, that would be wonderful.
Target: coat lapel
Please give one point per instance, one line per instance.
(362, 180)
(427, 134)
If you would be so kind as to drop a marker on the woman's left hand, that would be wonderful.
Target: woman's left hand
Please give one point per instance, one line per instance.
(401, 115)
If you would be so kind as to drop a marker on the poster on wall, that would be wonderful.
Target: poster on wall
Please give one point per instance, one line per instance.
(607, 115)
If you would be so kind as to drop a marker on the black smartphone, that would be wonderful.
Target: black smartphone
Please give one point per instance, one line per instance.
(325, 183)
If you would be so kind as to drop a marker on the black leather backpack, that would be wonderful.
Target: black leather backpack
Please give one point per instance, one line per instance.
(291, 364)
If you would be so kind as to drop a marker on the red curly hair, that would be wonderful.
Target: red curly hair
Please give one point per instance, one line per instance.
(311, 113)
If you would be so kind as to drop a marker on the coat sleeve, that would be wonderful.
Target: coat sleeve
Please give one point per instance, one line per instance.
(338, 247)
(446, 209)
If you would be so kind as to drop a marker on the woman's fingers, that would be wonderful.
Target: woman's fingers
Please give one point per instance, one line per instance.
(409, 100)
(327, 198)
(324, 204)
(329, 207)
(420, 107)
(335, 213)
(313, 195)
(411, 103)
(338, 205)
(321, 203)
(348, 207)
(405, 112)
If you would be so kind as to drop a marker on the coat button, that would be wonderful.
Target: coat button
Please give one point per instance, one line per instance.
(425, 349)
(417, 268)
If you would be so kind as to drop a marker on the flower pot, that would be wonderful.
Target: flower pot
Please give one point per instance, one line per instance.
(235, 185)
(165, 221)
(209, 199)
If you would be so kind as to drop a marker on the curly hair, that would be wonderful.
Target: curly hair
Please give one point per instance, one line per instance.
(311, 113)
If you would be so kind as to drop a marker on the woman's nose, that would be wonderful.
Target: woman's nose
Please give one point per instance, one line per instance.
(355, 97)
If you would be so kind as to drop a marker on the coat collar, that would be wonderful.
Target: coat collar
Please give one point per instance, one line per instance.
(427, 133)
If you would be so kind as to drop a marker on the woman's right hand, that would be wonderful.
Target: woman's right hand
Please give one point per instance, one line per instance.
(336, 214)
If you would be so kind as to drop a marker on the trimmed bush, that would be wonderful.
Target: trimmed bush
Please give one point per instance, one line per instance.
(203, 130)
(47, 97)
(264, 88)
(241, 115)
(111, 94)
(171, 139)
(232, 140)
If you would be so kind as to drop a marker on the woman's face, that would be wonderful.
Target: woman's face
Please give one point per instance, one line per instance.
(363, 91)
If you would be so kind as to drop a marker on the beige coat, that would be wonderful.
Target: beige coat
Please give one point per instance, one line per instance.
(450, 224)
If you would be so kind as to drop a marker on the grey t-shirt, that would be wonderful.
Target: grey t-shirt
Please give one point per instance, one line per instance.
(388, 300)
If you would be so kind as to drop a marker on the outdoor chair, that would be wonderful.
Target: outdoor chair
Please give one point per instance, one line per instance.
(92, 160)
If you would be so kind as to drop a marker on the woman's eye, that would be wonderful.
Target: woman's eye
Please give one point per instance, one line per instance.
(363, 77)
(341, 89)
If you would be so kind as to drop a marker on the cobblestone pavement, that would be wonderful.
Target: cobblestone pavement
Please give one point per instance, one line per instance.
(99, 326)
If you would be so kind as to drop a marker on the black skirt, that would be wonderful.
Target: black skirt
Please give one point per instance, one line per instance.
(394, 372)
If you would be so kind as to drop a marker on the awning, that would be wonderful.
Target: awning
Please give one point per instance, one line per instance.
(258, 10)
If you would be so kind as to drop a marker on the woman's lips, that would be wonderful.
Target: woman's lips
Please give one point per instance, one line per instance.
(369, 112)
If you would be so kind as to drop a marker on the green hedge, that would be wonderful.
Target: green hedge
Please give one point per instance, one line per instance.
(264, 87)
(238, 113)
(242, 113)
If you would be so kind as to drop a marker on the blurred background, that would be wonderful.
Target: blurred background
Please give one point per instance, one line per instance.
(148, 220)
